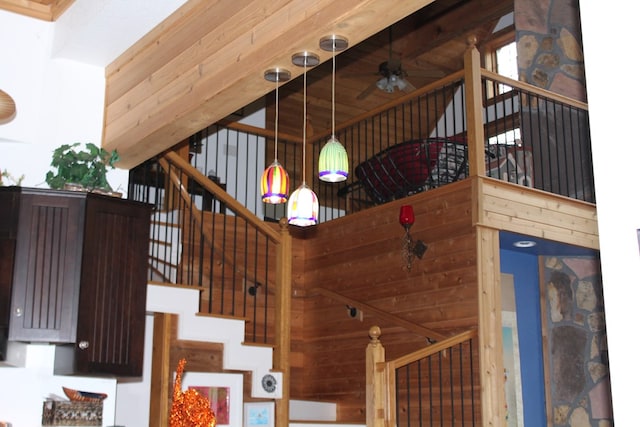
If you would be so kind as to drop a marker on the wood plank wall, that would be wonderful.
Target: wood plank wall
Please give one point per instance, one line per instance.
(360, 256)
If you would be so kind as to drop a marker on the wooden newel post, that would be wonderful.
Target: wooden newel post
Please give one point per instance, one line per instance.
(282, 350)
(473, 96)
(376, 384)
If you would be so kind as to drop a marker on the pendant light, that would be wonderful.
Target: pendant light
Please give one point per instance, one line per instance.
(275, 181)
(333, 165)
(302, 208)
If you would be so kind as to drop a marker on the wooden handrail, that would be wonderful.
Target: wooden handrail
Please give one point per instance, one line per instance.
(410, 326)
(432, 349)
(381, 383)
(534, 89)
(223, 196)
(267, 133)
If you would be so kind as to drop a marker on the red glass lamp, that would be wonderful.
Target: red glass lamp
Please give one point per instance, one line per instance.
(410, 249)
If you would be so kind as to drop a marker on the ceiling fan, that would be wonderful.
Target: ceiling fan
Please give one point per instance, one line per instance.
(392, 76)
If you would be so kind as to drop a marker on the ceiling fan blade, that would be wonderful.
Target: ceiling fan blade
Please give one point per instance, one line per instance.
(368, 91)
(432, 74)
(409, 87)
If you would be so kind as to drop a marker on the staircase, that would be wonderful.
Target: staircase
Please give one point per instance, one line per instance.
(237, 356)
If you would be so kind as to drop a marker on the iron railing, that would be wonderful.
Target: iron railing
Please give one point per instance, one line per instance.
(212, 242)
(436, 386)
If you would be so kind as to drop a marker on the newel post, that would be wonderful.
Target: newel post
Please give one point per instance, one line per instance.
(473, 96)
(282, 350)
(376, 384)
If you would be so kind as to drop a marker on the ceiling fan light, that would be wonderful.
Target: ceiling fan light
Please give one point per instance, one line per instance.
(275, 184)
(382, 83)
(302, 208)
(334, 162)
(401, 83)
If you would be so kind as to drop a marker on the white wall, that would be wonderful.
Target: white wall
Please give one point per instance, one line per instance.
(58, 101)
(612, 89)
(26, 385)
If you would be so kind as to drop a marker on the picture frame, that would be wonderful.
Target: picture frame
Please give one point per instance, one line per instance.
(224, 391)
(259, 414)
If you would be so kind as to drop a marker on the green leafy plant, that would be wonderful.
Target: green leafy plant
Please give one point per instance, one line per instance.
(7, 179)
(86, 167)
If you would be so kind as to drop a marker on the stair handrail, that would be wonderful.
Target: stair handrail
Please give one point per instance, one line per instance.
(380, 381)
(221, 195)
(282, 239)
(382, 314)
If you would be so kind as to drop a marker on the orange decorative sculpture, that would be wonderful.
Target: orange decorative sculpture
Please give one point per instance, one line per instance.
(189, 408)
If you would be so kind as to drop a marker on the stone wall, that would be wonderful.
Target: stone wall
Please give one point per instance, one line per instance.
(549, 44)
(576, 359)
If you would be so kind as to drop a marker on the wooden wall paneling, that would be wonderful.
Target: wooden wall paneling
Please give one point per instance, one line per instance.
(536, 213)
(209, 77)
(440, 289)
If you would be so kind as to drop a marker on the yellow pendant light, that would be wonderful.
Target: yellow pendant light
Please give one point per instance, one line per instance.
(275, 180)
(333, 165)
(302, 208)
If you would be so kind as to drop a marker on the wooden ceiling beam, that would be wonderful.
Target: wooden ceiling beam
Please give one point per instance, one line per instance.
(207, 60)
(46, 10)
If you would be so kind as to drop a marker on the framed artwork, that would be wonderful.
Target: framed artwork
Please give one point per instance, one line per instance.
(259, 414)
(224, 391)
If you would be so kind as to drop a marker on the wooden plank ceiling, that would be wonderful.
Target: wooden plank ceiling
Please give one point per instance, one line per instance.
(207, 61)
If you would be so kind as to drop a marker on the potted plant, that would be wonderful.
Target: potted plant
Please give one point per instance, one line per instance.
(77, 168)
(7, 179)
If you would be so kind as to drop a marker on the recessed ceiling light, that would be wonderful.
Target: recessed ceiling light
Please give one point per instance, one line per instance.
(524, 244)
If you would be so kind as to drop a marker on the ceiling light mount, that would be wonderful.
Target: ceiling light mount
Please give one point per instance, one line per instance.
(277, 75)
(334, 43)
(305, 59)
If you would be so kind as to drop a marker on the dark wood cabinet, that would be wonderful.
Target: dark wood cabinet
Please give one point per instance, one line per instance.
(75, 269)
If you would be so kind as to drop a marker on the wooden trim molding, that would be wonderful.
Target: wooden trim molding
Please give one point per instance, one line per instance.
(46, 10)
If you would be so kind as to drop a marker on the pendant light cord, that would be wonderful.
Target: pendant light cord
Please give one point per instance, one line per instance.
(304, 123)
(276, 124)
(333, 93)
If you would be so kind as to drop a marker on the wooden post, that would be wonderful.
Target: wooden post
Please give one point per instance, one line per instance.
(490, 327)
(282, 351)
(161, 379)
(473, 96)
(376, 384)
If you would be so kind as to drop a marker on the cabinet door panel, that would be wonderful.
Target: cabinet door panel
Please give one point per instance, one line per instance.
(46, 274)
(113, 295)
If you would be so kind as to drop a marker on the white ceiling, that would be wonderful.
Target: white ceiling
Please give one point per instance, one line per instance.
(98, 31)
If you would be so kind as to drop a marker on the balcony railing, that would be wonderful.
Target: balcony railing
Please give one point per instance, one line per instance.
(202, 237)
(438, 385)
